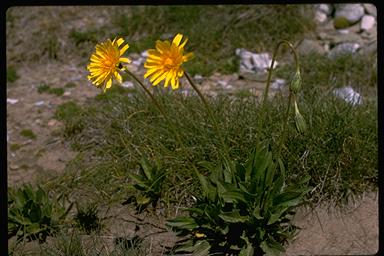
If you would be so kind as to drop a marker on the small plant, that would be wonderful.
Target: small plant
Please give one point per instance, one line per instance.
(87, 218)
(70, 85)
(86, 36)
(15, 147)
(32, 214)
(245, 209)
(12, 75)
(28, 134)
(51, 90)
(149, 183)
(71, 114)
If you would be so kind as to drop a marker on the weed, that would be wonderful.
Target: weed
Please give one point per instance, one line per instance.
(70, 85)
(87, 36)
(12, 75)
(28, 134)
(71, 114)
(87, 218)
(44, 88)
(14, 147)
(32, 214)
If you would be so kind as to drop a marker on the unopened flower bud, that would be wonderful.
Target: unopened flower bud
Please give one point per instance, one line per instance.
(296, 82)
(299, 121)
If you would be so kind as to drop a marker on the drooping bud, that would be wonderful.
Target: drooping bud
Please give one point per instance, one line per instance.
(299, 120)
(296, 82)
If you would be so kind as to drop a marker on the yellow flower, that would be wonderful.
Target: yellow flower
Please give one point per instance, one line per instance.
(106, 63)
(164, 62)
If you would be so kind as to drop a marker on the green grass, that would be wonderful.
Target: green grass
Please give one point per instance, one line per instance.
(28, 134)
(339, 150)
(15, 147)
(44, 88)
(12, 75)
(214, 31)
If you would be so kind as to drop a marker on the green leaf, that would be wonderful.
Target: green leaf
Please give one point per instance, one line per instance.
(247, 251)
(136, 178)
(289, 198)
(233, 217)
(208, 190)
(269, 249)
(147, 168)
(256, 213)
(34, 228)
(201, 248)
(276, 215)
(183, 223)
(143, 200)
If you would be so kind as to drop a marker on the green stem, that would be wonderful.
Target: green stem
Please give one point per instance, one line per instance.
(159, 107)
(284, 128)
(265, 95)
(210, 113)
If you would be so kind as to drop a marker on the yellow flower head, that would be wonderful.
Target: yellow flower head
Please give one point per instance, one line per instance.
(164, 62)
(106, 62)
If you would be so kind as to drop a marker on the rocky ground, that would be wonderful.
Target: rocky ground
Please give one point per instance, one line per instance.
(341, 28)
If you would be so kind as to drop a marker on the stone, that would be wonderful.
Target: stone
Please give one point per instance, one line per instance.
(367, 22)
(370, 9)
(67, 93)
(325, 8)
(343, 48)
(12, 101)
(320, 17)
(349, 95)
(351, 12)
(39, 103)
(144, 54)
(52, 122)
(308, 46)
(127, 84)
(369, 49)
(278, 84)
(262, 62)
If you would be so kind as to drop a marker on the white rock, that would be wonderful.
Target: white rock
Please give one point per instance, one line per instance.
(262, 62)
(352, 12)
(370, 9)
(127, 84)
(144, 54)
(222, 83)
(367, 22)
(66, 93)
(278, 84)
(39, 103)
(344, 48)
(198, 77)
(12, 101)
(325, 8)
(349, 95)
(320, 17)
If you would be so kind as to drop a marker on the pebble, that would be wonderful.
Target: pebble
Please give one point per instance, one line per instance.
(308, 46)
(262, 62)
(352, 12)
(144, 54)
(52, 122)
(12, 101)
(367, 22)
(14, 167)
(325, 8)
(349, 95)
(39, 103)
(370, 9)
(344, 48)
(66, 93)
(320, 17)
(127, 84)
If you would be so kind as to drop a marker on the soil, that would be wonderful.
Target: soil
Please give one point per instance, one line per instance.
(351, 230)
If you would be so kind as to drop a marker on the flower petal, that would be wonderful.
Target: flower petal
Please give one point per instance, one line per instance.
(177, 39)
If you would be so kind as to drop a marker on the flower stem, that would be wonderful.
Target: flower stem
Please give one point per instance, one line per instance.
(159, 107)
(210, 113)
(285, 123)
(266, 90)
(291, 94)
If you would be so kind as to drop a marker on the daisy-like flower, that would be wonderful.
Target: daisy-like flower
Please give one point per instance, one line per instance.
(106, 62)
(164, 62)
